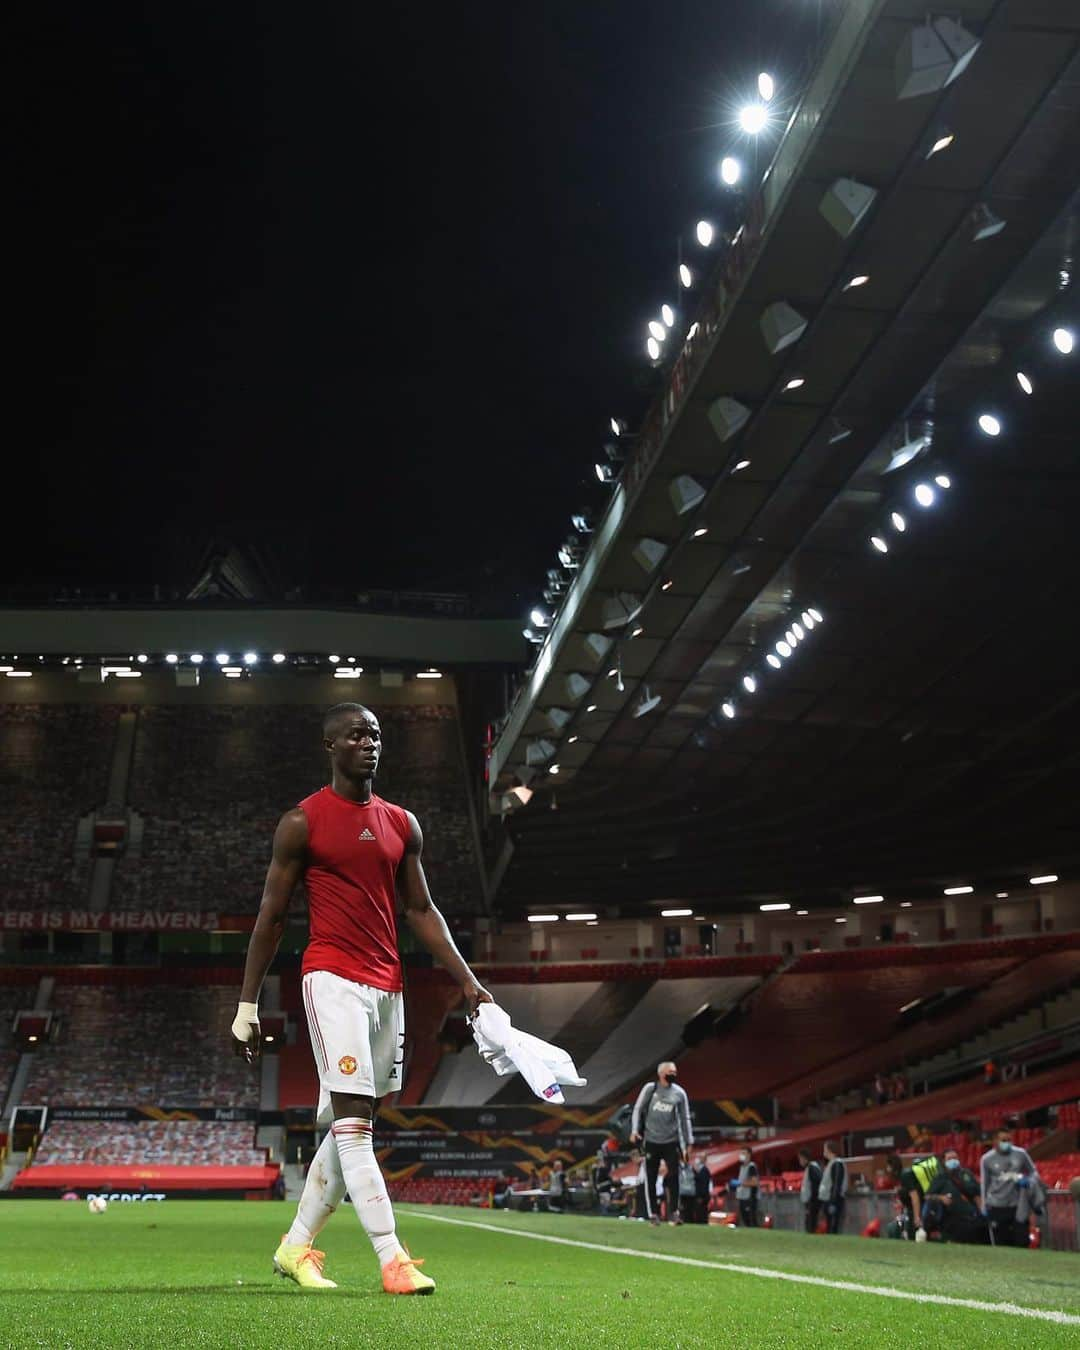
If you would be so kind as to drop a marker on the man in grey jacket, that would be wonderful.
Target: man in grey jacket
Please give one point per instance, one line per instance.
(662, 1119)
(808, 1191)
(832, 1190)
(1005, 1173)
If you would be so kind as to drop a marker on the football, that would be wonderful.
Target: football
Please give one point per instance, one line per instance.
(97, 1204)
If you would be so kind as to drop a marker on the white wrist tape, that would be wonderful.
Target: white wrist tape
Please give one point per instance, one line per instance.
(246, 1022)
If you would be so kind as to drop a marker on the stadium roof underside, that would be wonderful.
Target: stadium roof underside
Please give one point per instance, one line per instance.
(930, 726)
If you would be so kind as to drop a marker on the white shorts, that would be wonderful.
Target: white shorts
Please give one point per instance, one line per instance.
(357, 1035)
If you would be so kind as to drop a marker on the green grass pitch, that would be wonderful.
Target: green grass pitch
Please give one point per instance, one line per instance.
(197, 1273)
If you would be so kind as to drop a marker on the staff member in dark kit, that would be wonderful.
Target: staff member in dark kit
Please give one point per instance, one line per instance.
(833, 1188)
(662, 1119)
(808, 1192)
(746, 1190)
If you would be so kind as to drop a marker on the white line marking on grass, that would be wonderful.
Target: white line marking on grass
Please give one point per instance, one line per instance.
(764, 1273)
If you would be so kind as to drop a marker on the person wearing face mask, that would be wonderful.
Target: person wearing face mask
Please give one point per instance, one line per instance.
(1006, 1170)
(951, 1203)
(746, 1190)
(662, 1119)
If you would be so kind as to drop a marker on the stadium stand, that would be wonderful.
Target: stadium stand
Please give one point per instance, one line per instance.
(11, 1000)
(211, 783)
(832, 1019)
(130, 1044)
(54, 766)
(803, 1022)
(653, 1028)
(194, 1143)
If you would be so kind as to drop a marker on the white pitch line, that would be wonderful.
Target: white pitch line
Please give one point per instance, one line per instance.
(763, 1273)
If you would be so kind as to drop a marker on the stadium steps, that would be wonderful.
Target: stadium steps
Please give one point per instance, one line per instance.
(586, 1032)
(12, 1167)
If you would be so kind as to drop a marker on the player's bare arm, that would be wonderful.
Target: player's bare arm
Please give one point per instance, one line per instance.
(286, 867)
(428, 924)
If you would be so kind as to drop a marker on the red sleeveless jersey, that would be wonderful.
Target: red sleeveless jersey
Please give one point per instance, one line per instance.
(353, 854)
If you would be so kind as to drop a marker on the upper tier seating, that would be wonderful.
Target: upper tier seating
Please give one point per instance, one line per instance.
(54, 768)
(652, 1030)
(211, 783)
(1010, 991)
(801, 1024)
(11, 1000)
(188, 1143)
(136, 1045)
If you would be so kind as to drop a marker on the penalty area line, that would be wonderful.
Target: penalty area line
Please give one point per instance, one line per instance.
(764, 1273)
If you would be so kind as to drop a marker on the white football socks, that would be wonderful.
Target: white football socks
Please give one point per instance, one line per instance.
(365, 1184)
(323, 1191)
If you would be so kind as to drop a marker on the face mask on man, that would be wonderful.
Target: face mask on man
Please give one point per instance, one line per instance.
(744, 1157)
(952, 1164)
(1004, 1145)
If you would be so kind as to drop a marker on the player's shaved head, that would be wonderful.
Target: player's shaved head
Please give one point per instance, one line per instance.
(341, 714)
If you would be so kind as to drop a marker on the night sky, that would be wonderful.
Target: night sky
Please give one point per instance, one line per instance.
(360, 284)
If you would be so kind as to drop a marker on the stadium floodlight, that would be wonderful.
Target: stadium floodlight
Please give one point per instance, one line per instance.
(989, 425)
(128, 674)
(666, 585)
(553, 768)
(686, 277)
(924, 494)
(799, 631)
(347, 672)
(251, 658)
(783, 649)
(539, 618)
(773, 661)
(1064, 340)
(1024, 381)
(141, 658)
(802, 913)
(910, 448)
(652, 347)
(905, 904)
(749, 683)
(676, 913)
(742, 464)
(943, 480)
(580, 918)
(840, 920)
(591, 708)
(531, 635)
(657, 329)
(649, 701)
(766, 87)
(171, 658)
(1042, 881)
(196, 658)
(790, 638)
(815, 614)
(987, 223)
(334, 660)
(618, 426)
(571, 739)
(856, 281)
(704, 233)
(668, 315)
(753, 118)
(730, 171)
(779, 905)
(807, 618)
(931, 56)
(701, 531)
(942, 141)
(224, 659)
(868, 900)
(796, 382)
(958, 890)
(278, 658)
(898, 522)
(430, 674)
(582, 522)
(728, 708)
(879, 543)
(543, 918)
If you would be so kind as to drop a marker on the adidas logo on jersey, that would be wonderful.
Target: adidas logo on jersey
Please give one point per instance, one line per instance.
(366, 835)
